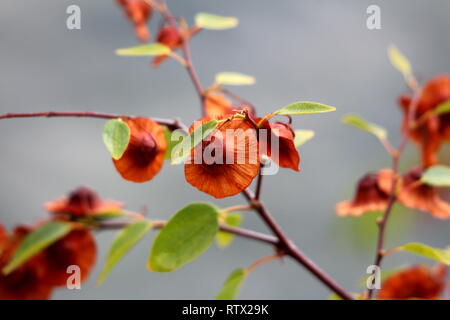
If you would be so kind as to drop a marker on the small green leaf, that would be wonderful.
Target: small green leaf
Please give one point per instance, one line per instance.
(302, 136)
(37, 241)
(186, 236)
(399, 61)
(234, 79)
(304, 107)
(423, 250)
(116, 136)
(232, 285)
(334, 296)
(123, 242)
(443, 108)
(107, 215)
(358, 122)
(170, 144)
(437, 176)
(215, 22)
(233, 219)
(145, 50)
(183, 148)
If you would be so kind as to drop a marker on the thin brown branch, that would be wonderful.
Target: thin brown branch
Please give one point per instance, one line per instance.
(382, 223)
(291, 250)
(170, 19)
(170, 123)
(157, 224)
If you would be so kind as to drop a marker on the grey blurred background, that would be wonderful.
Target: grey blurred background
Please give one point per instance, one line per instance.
(315, 50)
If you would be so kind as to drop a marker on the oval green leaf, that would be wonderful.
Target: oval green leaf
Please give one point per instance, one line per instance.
(183, 149)
(234, 79)
(304, 107)
(231, 287)
(233, 219)
(215, 22)
(37, 241)
(145, 50)
(302, 136)
(116, 136)
(171, 144)
(437, 176)
(399, 61)
(124, 241)
(186, 236)
(423, 250)
(358, 122)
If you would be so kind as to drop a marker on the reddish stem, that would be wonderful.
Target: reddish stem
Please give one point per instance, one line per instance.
(290, 249)
(382, 223)
(170, 19)
(245, 233)
(171, 124)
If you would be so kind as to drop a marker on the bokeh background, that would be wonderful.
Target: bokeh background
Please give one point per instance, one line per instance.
(297, 50)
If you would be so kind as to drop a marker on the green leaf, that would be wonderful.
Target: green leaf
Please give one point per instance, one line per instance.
(304, 107)
(186, 236)
(223, 238)
(215, 22)
(437, 176)
(183, 149)
(116, 136)
(107, 215)
(358, 122)
(232, 285)
(170, 144)
(145, 50)
(423, 250)
(334, 296)
(399, 61)
(37, 241)
(123, 242)
(302, 136)
(234, 79)
(443, 108)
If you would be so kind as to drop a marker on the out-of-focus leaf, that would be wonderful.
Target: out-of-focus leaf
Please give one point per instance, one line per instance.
(437, 176)
(123, 242)
(399, 61)
(304, 107)
(186, 236)
(215, 22)
(231, 287)
(233, 219)
(145, 50)
(234, 79)
(116, 136)
(37, 241)
(302, 136)
(358, 122)
(441, 255)
(443, 108)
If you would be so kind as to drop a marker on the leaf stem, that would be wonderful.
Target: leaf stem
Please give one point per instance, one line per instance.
(261, 261)
(237, 208)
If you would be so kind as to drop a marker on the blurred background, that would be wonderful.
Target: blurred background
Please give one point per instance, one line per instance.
(296, 49)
